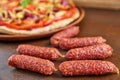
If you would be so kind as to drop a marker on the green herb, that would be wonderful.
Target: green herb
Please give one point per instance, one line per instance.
(24, 3)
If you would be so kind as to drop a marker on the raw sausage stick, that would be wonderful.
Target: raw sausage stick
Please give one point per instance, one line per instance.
(70, 43)
(37, 51)
(87, 67)
(67, 33)
(39, 65)
(99, 51)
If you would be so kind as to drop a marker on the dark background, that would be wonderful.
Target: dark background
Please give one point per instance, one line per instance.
(97, 22)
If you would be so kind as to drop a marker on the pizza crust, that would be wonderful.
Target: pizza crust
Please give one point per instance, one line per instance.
(53, 26)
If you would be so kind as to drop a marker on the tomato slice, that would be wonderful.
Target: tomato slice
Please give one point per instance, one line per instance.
(31, 7)
(42, 11)
(27, 27)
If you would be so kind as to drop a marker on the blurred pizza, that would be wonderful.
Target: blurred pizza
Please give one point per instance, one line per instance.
(36, 16)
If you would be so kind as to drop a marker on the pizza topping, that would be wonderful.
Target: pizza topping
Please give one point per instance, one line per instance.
(64, 2)
(56, 9)
(24, 3)
(31, 13)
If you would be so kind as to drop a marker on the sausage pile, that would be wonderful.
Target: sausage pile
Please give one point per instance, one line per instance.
(85, 55)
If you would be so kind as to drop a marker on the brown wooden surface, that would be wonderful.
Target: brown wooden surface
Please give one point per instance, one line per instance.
(96, 22)
(104, 4)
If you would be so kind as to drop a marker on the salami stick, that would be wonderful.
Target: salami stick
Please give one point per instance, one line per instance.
(37, 51)
(99, 51)
(67, 33)
(87, 67)
(70, 43)
(39, 65)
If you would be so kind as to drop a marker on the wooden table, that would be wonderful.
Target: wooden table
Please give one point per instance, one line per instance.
(104, 4)
(105, 23)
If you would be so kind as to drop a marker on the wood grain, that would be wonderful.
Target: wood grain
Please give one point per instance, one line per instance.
(105, 4)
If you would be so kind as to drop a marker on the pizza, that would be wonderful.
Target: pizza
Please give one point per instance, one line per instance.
(27, 17)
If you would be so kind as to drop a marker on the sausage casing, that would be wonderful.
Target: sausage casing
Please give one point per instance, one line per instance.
(37, 51)
(98, 51)
(70, 43)
(87, 67)
(39, 65)
(67, 33)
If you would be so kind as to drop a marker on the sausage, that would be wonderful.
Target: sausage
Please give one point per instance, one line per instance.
(98, 51)
(70, 43)
(39, 65)
(67, 33)
(37, 51)
(87, 67)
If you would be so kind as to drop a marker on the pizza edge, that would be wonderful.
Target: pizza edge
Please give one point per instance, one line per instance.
(46, 29)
